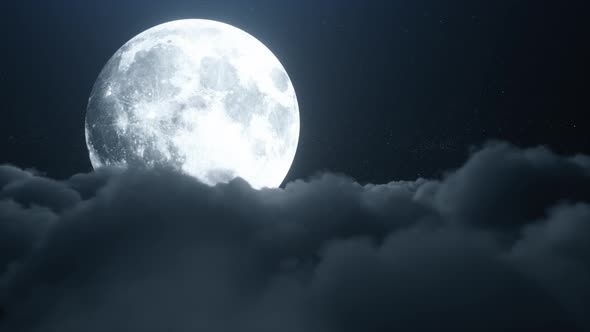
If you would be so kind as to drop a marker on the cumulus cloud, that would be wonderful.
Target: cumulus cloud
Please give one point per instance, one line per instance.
(502, 243)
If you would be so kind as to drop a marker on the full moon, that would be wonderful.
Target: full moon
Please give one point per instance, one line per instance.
(202, 97)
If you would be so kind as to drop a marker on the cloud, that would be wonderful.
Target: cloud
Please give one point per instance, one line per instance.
(502, 243)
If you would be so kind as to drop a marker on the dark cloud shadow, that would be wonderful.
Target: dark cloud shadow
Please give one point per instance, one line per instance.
(500, 244)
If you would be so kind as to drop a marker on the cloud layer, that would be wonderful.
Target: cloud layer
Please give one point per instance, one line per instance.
(503, 243)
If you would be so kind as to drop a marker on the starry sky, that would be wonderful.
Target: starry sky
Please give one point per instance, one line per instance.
(387, 89)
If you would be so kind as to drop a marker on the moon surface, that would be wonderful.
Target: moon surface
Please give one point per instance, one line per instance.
(199, 96)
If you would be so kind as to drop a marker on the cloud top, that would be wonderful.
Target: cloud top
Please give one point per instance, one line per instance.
(502, 243)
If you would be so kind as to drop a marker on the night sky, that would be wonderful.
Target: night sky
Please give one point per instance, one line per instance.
(441, 183)
(387, 89)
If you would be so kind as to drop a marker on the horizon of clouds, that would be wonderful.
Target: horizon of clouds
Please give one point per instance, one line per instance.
(501, 243)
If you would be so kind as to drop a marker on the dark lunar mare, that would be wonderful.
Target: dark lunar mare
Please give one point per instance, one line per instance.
(126, 91)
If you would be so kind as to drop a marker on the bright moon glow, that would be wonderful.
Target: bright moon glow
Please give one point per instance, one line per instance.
(200, 96)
